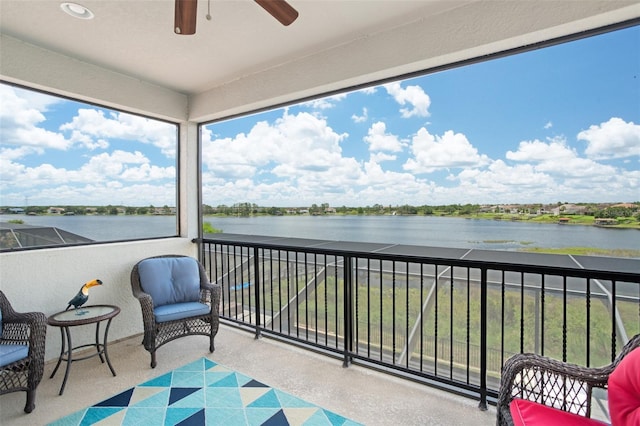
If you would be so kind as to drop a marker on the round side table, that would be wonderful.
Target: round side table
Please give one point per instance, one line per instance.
(84, 315)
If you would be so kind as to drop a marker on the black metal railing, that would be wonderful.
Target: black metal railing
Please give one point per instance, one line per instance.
(449, 317)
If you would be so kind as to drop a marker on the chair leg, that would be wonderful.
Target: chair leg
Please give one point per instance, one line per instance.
(31, 401)
(211, 347)
(153, 359)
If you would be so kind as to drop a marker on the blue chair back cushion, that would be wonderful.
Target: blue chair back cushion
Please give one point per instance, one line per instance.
(180, 311)
(170, 280)
(12, 353)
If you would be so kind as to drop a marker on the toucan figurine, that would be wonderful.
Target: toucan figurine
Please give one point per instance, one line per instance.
(82, 296)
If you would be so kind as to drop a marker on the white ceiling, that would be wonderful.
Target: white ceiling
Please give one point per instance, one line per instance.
(137, 38)
(245, 54)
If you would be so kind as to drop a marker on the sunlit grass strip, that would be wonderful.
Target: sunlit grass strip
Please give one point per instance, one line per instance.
(585, 251)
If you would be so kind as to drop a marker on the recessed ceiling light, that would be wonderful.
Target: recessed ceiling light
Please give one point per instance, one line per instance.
(76, 10)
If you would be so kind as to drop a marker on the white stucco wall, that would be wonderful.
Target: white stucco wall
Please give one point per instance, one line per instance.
(45, 280)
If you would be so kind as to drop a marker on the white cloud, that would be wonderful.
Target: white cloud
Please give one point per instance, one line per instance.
(119, 166)
(325, 103)
(379, 140)
(379, 157)
(19, 152)
(23, 121)
(28, 131)
(123, 166)
(11, 171)
(147, 172)
(525, 183)
(90, 128)
(360, 118)
(556, 158)
(115, 192)
(21, 114)
(417, 99)
(297, 160)
(548, 125)
(451, 150)
(290, 147)
(612, 139)
(539, 151)
(502, 179)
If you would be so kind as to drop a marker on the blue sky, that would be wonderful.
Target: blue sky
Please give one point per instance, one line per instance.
(556, 124)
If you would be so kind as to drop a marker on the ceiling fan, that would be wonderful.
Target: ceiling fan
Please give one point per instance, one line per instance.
(185, 14)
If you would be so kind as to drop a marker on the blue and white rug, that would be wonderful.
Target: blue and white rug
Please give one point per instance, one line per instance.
(204, 393)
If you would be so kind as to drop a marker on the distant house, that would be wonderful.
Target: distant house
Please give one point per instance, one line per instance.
(605, 221)
(161, 210)
(16, 210)
(329, 210)
(568, 209)
(55, 210)
(510, 209)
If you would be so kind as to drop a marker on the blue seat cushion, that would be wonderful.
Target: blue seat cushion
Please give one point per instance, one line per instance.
(179, 311)
(170, 280)
(12, 353)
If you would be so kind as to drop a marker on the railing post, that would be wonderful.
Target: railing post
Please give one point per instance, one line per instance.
(483, 340)
(348, 321)
(256, 280)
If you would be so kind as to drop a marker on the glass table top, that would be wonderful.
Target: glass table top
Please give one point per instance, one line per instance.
(84, 315)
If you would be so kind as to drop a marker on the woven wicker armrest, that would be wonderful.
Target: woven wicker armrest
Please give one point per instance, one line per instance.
(548, 381)
(214, 291)
(26, 328)
(522, 375)
(35, 324)
(23, 327)
(206, 291)
(148, 318)
(143, 297)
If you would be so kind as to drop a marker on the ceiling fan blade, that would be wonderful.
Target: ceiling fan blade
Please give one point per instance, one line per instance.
(279, 9)
(185, 17)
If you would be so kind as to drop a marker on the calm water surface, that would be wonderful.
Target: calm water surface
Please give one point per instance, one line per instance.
(103, 228)
(433, 231)
(417, 230)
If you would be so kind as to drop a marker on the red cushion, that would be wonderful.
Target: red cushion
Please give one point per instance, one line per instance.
(624, 391)
(533, 414)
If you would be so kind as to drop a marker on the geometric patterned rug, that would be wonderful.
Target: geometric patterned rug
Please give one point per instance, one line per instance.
(203, 393)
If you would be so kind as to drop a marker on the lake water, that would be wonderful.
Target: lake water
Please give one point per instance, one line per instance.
(416, 230)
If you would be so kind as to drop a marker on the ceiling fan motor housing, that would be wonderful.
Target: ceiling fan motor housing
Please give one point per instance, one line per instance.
(186, 14)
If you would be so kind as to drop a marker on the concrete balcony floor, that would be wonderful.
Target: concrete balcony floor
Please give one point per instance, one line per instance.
(361, 394)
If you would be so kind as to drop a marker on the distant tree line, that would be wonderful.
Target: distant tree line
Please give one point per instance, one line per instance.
(95, 210)
(599, 210)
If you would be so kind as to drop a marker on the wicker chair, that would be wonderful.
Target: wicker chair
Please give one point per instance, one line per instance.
(22, 334)
(172, 318)
(554, 383)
